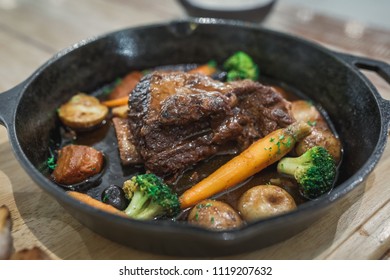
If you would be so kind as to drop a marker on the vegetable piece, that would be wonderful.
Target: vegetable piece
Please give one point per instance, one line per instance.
(321, 135)
(121, 111)
(115, 196)
(149, 198)
(77, 163)
(5, 233)
(256, 157)
(264, 201)
(241, 66)
(305, 111)
(84, 198)
(51, 163)
(126, 85)
(116, 102)
(215, 215)
(205, 69)
(315, 171)
(82, 112)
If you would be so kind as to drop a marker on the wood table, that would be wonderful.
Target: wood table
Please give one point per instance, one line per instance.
(357, 227)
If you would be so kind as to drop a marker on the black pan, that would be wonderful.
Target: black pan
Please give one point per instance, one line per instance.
(332, 80)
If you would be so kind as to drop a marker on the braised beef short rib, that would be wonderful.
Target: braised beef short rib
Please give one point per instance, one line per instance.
(178, 119)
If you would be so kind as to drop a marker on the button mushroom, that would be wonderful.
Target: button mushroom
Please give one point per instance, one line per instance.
(321, 134)
(215, 215)
(264, 201)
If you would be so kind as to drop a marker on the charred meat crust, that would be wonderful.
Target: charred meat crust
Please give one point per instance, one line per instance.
(180, 109)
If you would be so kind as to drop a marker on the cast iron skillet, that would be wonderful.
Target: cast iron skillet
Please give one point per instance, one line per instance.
(360, 115)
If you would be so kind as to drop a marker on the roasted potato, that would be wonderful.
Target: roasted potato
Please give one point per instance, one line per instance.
(82, 112)
(77, 163)
(215, 215)
(264, 201)
(121, 111)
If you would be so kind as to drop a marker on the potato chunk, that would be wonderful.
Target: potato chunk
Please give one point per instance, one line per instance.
(77, 163)
(82, 112)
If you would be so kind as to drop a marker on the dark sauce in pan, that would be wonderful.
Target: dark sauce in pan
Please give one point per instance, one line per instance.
(114, 173)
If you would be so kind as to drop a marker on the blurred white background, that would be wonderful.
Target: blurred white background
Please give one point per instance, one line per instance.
(371, 12)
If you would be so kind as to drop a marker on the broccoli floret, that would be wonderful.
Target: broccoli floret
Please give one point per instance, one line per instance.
(149, 198)
(241, 66)
(315, 171)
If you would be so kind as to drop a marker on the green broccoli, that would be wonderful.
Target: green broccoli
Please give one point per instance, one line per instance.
(241, 66)
(315, 171)
(149, 198)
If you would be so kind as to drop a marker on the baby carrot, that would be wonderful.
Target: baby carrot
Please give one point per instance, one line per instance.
(116, 102)
(256, 157)
(95, 203)
(205, 69)
(125, 85)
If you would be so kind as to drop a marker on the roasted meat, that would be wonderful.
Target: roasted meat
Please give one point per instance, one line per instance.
(127, 151)
(260, 109)
(178, 119)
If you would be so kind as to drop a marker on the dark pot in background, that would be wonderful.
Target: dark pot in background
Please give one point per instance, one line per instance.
(255, 11)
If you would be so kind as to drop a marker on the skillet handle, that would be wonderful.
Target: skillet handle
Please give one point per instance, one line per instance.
(8, 102)
(379, 67)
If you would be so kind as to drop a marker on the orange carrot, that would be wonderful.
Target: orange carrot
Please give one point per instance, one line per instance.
(126, 85)
(116, 102)
(95, 203)
(205, 69)
(256, 157)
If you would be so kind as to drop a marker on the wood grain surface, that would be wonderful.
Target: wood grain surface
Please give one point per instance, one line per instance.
(357, 227)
